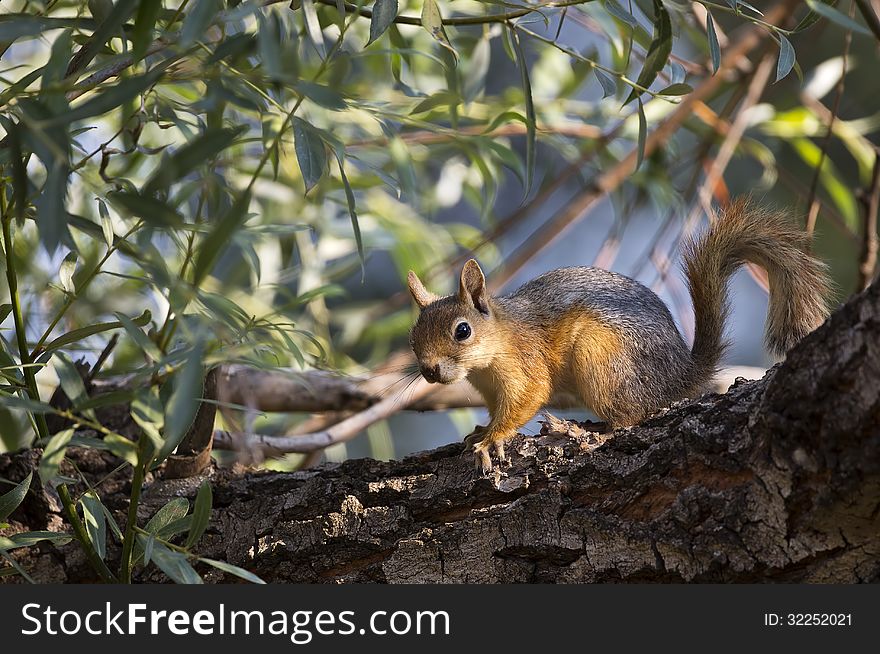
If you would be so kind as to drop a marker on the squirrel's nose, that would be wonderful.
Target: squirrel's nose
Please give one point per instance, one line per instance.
(430, 373)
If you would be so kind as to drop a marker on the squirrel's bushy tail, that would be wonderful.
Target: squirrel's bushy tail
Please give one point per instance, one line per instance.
(799, 287)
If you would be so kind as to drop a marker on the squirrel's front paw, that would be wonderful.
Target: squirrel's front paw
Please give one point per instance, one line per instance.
(474, 437)
(482, 458)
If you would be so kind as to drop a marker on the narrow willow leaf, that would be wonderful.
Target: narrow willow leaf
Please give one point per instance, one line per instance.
(53, 455)
(106, 223)
(643, 133)
(620, 13)
(28, 538)
(218, 239)
(531, 123)
(175, 565)
(65, 272)
(384, 13)
(609, 87)
(10, 501)
(184, 402)
(201, 515)
(352, 211)
(139, 337)
(84, 332)
(150, 209)
(786, 59)
(811, 18)
(838, 17)
(233, 570)
(144, 22)
(71, 381)
(105, 30)
(112, 97)
(658, 52)
(199, 17)
(322, 95)
(95, 522)
(311, 152)
(313, 27)
(714, 48)
(201, 150)
(676, 89)
(432, 21)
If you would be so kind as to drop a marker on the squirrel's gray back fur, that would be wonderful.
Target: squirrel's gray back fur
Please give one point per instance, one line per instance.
(655, 367)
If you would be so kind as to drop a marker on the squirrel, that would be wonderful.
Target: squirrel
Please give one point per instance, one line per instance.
(606, 338)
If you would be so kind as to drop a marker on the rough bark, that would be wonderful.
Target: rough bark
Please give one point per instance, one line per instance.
(776, 480)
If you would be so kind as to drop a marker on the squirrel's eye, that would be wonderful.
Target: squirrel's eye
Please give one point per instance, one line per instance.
(462, 331)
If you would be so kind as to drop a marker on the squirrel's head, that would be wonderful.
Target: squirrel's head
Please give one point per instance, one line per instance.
(453, 334)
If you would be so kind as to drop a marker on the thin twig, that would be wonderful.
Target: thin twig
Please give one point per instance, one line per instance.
(339, 433)
(812, 202)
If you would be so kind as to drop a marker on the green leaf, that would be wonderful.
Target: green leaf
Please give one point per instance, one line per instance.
(112, 97)
(233, 570)
(53, 455)
(106, 29)
(218, 239)
(50, 205)
(139, 337)
(531, 122)
(106, 223)
(199, 17)
(658, 52)
(150, 209)
(5, 310)
(184, 402)
(65, 272)
(322, 95)
(352, 211)
(146, 411)
(609, 86)
(835, 16)
(173, 510)
(28, 538)
(786, 58)
(438, 99)
(311, 152)
(620, 13)
(432, 21)
(384, 13)
(643, 133)
(676, 89)
(24, 403)
(77, 335)
(10, 501)
(70, 380)
(95, 522)
(145, 20)
(175, 565)
(714, 48)
(201, 514)
(201, 150)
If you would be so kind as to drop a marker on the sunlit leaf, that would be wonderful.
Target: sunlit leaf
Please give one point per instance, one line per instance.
(95, 522)
(714, 48)
(786, 58)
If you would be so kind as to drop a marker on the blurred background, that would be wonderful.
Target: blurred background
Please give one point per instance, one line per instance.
(260, 178)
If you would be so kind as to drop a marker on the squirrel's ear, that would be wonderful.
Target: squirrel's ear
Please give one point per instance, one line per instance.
(473, 287)
(420, 294)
